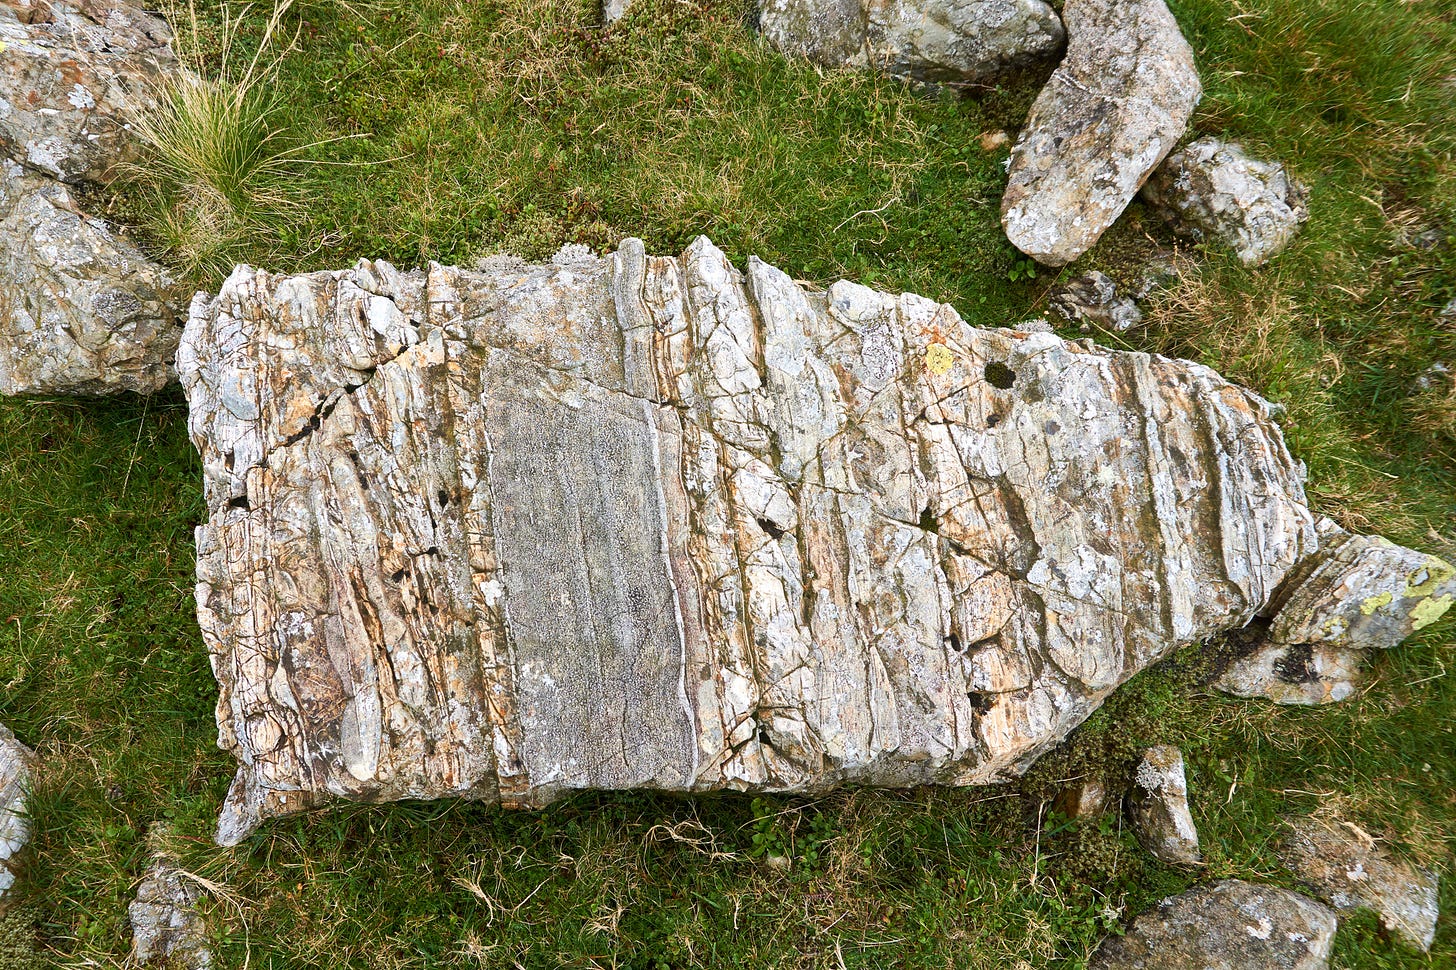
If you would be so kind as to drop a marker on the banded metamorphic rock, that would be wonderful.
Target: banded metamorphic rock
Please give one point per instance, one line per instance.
(653, 523)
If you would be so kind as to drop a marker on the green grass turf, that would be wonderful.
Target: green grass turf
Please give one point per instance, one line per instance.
(518, 126)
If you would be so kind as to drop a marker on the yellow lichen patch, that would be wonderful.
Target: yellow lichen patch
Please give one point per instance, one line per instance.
(1424, 580)
(1373, 603)
(938, 359)
(1429, 610)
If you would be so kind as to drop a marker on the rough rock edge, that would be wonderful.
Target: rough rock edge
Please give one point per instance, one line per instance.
(15, 762)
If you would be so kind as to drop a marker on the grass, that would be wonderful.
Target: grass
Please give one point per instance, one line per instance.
(518, 126)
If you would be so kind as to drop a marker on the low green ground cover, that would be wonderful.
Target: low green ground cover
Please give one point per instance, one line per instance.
(449, 130)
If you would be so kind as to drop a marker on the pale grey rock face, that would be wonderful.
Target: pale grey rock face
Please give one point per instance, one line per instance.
(1359, 593)
(656, 523)
(1230, 925)
(1347, 869)
(15, 761)
(1210, 189)
(72, 72)
(166, 927)
(945, 41)
(1160, 812)
(1093, 298)
(1112, 110)
(82, 311)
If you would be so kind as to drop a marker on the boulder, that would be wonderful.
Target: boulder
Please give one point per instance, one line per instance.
(638, 522)
(1210, 189)
(1113, 109)
(82, 311)
(943, 41)
(1345, 867)
(15, 761)
(1093, 299)
(1230, 925)
(72, 73)
(1359, 593)
(1160, 812)
(166, 927)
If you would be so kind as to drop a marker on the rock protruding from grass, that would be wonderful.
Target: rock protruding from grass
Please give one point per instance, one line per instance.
(1230, 925)
(943, 41)
(1346, 868)
(1360, 593)
(15, 760)
(656, 523)
(1160, 811)
(1211, 190)
(166, 927)
(1112, 110)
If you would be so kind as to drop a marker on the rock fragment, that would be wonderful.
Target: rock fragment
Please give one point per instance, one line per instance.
(1093, 299)
(1160, 813)
(642, 522)
(1116, 105)
(15, 761)
(1345, 867)
(1210, 189)
(1230, 925)
(941, 41)
(72, 73)
(166, 927)
(82, 311)
(1084, 799)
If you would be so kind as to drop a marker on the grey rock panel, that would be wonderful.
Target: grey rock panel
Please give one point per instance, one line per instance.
(166, 926)
(15, 761)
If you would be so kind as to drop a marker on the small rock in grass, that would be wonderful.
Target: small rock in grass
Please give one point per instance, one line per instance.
(1449, 310)
(15, 761)
(1298, 674)
(993, 140)
(166, 927)
(1211, 190)
(1084, 799)
(1160, 812)
(1092, 298)
(1347, 869)
(1230, 925)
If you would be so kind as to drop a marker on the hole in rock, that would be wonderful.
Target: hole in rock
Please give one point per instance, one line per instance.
(980, 703)
(240, 502)
(954, 642)
(928, 522)
(774, 531)
(443, 497)
(993, 420)
(1000, 376)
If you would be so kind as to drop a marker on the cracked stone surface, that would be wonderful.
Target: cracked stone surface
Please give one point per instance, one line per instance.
(1358, 594)
(1345, 867)
(652, 522)
(1094, 298)
(82, 311)
(15, 761)
(1110, 113)
(944, 41)
(1230, 925)
(1210, 189)
(71, 75)
(166, 927)
(1160, 812)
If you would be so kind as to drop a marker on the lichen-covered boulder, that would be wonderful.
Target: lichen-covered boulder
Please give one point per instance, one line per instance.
(72, 73)
(82, 311)
(925, 40)
(1210, 189)
(15, 761)
(1344, 866)
(1160, 812)
(1230, 925)
(1112, 110)
(1359, 593)
(655, 523)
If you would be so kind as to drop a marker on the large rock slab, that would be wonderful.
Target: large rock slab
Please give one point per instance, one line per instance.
(72, 74)
(15, 760)
(1230, 925)
(925, 40)
(1112, 110)
(82, 311)
(655, 523)
(1348, 870)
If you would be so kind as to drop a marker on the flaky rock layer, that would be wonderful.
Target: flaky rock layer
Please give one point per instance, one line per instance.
(655, 523)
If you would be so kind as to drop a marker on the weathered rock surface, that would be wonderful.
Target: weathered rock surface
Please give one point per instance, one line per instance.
(1093, 298)
(1231, 925)
(1160, 813)
(1113, 109)
(166, 927)
(653, 523)
(1210, 189)
(1347, 869)
(925, 40)
(82, 311)
(72, 72)
(1359, 593)
(15, 760)
(1084, 799)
